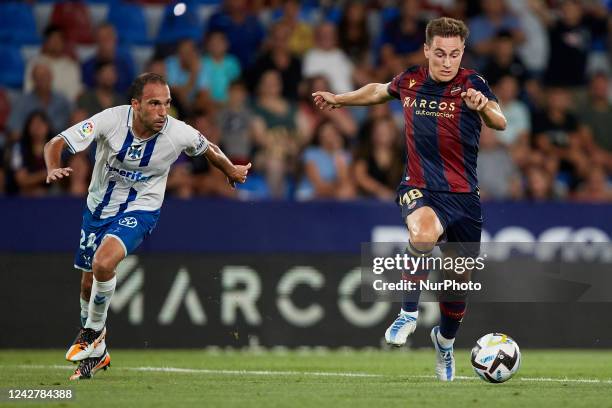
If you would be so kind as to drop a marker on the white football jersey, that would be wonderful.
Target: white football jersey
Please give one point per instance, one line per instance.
(130, 173)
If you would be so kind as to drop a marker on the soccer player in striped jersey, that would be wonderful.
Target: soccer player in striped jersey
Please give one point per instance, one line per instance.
(135, 146)
(444, 107)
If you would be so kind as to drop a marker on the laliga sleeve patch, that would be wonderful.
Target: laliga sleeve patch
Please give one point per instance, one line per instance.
(86, 129)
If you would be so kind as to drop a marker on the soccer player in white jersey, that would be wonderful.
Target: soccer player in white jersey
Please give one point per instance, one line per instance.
(136, 145)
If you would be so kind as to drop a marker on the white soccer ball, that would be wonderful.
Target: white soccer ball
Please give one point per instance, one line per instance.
(496, 357)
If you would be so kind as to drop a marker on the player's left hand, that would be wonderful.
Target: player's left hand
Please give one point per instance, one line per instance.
(474, 99)
(238, 175)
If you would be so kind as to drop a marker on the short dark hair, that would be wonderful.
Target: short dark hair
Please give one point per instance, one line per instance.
(446, 27)
(141, 80)
(52, 29)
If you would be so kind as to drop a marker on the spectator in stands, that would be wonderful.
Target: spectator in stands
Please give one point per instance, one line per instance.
(596, 114)
(498, 176)
(328, 60)
(27, 162)
(278, 56)
(66, 72)
(207, 179)
(220, 68)
(186, 75)
(539, 184)
(103, 96)
(379, 163)
(5, 111)
(596, 188)
(518, 117)
(532, 15)
(558, 134)
(484, 28)
(326, 167)
(404, 35)
(570, 42)
(180, 179)
(237, 125)
(503, 61)
(243, 30)
(108, 51)
(301, 37)
(279, 143)
(270, 105)
(42, 97)
(309, 117)
(353, 35)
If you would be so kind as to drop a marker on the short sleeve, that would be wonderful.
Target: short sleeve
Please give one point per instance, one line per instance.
(197, 144)
(480, 84)
(80, 136)
(394, 86)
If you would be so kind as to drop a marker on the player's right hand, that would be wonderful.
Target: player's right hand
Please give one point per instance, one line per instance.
(57, 174)
(238, 174)
(325, 100)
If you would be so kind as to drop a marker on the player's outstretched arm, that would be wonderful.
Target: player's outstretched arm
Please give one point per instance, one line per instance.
(235, 173)
(53, 159)
(370, 94)
(489, 111)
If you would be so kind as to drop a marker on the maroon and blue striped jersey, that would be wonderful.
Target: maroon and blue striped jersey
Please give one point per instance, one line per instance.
(442, 134)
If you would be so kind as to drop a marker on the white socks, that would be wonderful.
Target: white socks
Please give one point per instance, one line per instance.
(444, 342)
(84, 310)
(414, 314)
(101, 294)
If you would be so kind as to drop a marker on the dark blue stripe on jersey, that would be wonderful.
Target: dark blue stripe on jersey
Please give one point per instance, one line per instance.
(426, 141)
(129, 138)
(72, 149)
(131, 197)
(469, 127)
(148, 152)
(468, 132)
(109, 190)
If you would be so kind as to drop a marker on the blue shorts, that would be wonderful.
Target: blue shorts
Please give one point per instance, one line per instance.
(130, 228)
(459, 213)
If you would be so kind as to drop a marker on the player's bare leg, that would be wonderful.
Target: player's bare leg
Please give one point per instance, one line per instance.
(84, 295)
(86, 282)
(425, 229)
(106, 259)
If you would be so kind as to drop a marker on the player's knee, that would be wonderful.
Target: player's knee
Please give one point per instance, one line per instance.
(103, 267)
(424, 238)
(425, 228)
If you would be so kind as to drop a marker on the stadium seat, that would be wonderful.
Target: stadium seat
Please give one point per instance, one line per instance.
(12, 67)
(130, 23)
(17, 24)
(186, 25)
(74, 20)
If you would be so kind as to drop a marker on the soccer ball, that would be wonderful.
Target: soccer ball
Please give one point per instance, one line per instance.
(496, 357)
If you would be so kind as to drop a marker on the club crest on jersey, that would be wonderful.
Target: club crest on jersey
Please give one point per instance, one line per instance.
(455, 89)
(412, 82)
(86, 129)
(129, 222)
(135, 152)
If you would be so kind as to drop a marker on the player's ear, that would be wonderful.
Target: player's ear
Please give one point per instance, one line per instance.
(426, 50)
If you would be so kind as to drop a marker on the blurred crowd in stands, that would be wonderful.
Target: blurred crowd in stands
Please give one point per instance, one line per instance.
(242, 73)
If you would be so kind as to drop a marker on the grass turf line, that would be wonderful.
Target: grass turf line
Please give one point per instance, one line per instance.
(399, 378)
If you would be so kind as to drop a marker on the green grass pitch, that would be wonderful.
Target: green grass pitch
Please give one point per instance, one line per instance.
(394, 378)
